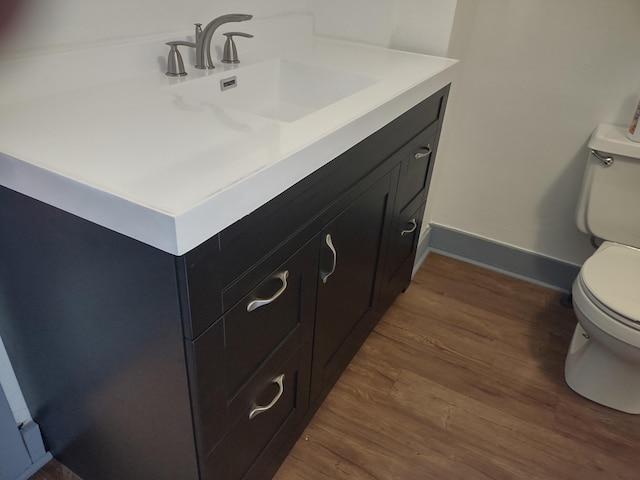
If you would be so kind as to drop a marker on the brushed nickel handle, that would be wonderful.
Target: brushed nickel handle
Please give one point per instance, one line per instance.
(606, 161)
(230, 51)
(258, 409)
(175, 64)
(329, 243)
(425, 152)
(261, 302)
(413, 224)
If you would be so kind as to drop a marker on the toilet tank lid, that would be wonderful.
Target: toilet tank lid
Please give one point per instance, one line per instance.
(613, 139)
(612, 275)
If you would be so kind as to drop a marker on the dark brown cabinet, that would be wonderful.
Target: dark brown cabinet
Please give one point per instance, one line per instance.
(139, 364)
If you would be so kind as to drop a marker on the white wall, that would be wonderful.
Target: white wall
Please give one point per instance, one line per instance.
(537, 77)
(422, 26)
(45, 25)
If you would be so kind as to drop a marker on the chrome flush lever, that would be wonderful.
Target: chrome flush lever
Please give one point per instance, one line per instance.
(606, 161)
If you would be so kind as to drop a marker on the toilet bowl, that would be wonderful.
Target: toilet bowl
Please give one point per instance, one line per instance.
(603, 363)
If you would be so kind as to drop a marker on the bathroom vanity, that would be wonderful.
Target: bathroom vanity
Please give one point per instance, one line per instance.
(199, 348)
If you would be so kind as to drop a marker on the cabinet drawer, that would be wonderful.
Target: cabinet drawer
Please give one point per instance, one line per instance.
(417, 165)
(269, 405)
(280, 306)
(405, 233)
(401, 253)
(408, 230)
(214, 410)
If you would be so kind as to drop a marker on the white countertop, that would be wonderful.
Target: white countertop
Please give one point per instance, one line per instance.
(129, 155)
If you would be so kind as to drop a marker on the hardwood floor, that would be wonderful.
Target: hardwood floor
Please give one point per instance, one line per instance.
(55, 471)
(462, 379)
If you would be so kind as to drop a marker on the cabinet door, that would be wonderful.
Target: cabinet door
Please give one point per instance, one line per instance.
(349, 259)
(417, 166)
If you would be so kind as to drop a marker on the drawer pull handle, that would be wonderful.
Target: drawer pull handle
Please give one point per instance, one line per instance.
(329, 243)
(261, 302)
(425, 153)
(413, 224)
(257, 410)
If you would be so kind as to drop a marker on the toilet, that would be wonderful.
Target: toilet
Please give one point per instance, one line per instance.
(603, 362)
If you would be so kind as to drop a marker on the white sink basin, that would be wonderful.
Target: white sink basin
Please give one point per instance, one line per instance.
(283, 90)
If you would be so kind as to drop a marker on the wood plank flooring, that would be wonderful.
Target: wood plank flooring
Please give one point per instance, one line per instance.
(55, 471)
(462, 379)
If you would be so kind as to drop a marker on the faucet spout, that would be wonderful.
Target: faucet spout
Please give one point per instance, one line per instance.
(203, 38)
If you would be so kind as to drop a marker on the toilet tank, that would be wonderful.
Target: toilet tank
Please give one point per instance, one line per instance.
(609, 202)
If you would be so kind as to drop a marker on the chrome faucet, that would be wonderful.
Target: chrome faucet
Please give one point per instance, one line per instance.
(204, 36)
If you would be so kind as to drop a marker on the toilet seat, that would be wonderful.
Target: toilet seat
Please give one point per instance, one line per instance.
(610, 278)
(599, 316)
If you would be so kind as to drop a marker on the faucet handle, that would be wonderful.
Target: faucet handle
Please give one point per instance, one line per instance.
(230, 53)
(175, 65)
(238, 34)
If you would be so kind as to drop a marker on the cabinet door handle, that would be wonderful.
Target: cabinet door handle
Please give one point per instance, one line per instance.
(413, 224)
(261, 302)
(425, 152)
(257, 410)
(329, 243)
